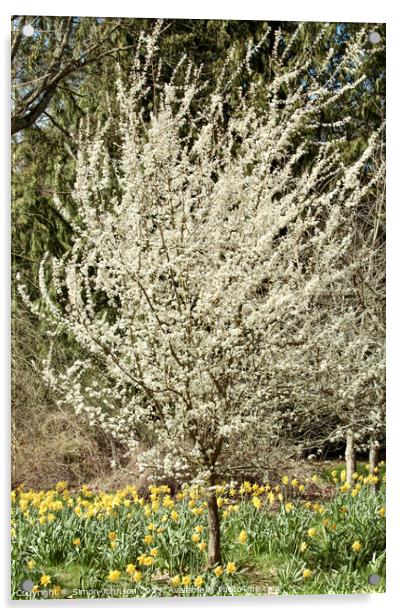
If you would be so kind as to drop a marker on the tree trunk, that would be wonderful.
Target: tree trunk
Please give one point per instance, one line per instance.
(373, 459)
(350, 457)
(214, 540)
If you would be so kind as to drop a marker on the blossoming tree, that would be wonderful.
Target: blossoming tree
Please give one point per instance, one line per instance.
(203, 253)
(346, 377)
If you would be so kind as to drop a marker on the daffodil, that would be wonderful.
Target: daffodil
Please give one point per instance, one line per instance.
(168, 502)
(137, 577)
(131, 569)
(356, 546)
(307, 573)
(198, 582)
(230, 568)
(114, 575)
(256, 502)
(175, 581)
(186, 580)
(45, 580)
(218, 571)
(243, 537)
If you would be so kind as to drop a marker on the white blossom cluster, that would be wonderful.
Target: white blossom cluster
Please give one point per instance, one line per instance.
(207, 279)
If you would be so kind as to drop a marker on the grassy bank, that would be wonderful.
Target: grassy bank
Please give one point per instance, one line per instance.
(300, 536)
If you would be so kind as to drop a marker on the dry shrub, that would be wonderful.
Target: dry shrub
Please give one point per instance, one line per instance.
(54, 446)
(48, 444)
